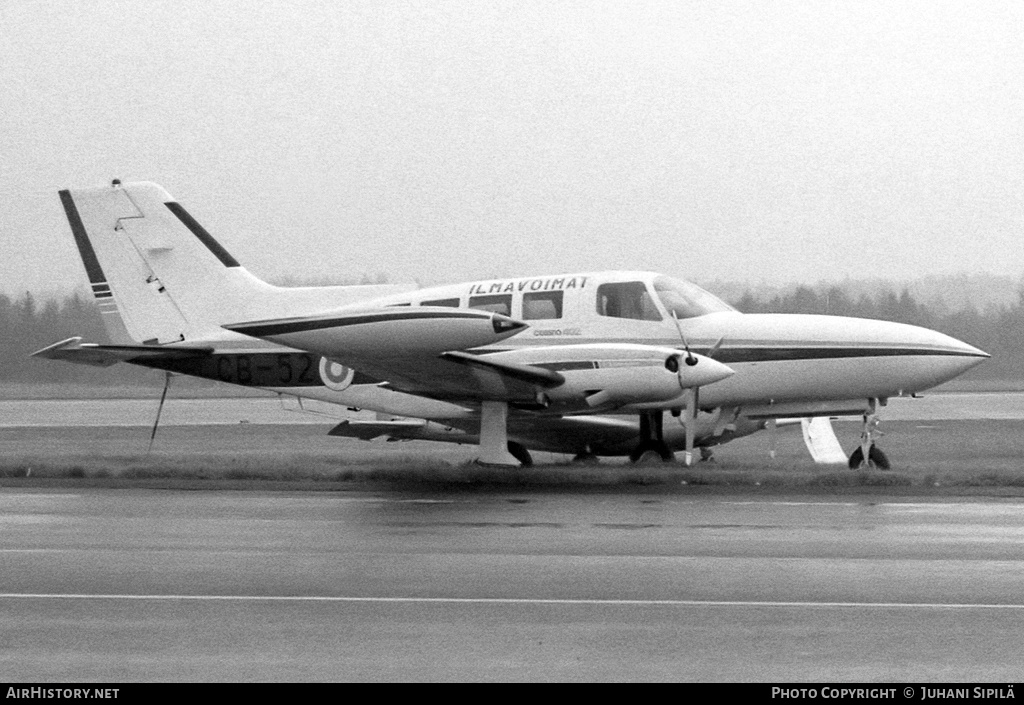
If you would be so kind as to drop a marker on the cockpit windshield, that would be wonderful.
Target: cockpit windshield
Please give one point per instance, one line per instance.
(687, 300)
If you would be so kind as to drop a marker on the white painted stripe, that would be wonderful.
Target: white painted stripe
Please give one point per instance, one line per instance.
(512, 601)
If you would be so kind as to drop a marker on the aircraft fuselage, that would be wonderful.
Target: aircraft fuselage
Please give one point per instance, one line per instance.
(777, 358)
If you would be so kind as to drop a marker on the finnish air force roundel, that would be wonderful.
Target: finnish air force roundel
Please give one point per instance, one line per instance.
(335, 375)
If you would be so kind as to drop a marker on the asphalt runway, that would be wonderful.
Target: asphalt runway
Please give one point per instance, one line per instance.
(145, 585)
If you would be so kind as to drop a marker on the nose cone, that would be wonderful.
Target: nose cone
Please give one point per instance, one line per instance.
(702, 372)
(948, 356)
(952, 346)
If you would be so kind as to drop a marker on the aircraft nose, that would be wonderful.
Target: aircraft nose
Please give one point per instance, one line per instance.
(939, 357)
(939, 343)
(963, 356)
(959, 347)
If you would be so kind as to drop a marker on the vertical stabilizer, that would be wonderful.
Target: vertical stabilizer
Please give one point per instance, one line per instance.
(159, 277)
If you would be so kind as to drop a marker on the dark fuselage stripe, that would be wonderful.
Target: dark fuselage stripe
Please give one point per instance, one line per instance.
(204, 237)
(782, 354)
(89, 259)
(774, 354)
(265, 329)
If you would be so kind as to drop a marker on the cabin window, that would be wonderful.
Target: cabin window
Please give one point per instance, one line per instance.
(539, 305)
(498, 303)
(403, 304)
(451, 303)
(626, 300)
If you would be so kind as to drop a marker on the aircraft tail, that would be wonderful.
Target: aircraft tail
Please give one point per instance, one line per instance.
(159, 277)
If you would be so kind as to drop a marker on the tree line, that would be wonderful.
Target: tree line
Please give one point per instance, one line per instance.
(28, 324)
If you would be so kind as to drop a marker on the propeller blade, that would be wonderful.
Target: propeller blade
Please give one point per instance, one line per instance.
(689, 359)
(692, 396)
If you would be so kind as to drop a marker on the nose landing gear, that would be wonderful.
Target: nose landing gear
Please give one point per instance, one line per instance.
(867, 454)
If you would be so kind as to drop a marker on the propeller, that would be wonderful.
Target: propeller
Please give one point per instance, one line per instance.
(692, 396)
(692, 393)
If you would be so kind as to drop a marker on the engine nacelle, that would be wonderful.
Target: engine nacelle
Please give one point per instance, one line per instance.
(619, 386)
(618, 374)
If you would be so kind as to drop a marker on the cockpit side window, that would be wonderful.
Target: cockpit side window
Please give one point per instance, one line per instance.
(539, 305)
(626, 300)
(687, 300)
(498, 303)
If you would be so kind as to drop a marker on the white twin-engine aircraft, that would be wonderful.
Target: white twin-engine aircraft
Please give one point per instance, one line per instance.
(586, 364)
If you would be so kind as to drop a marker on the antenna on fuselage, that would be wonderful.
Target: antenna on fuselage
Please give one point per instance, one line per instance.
(159, 410)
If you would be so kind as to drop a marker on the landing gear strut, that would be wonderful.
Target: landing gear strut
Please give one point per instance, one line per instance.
(867, 454)
(495, 448)
(652, 437)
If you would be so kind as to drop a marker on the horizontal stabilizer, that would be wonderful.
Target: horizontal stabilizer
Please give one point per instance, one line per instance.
(96, 355)
(521, 373)
(821, 441)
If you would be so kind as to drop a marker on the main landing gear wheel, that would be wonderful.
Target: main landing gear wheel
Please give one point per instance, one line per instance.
(520, 453)
(652, 451)
(652, 439)
(876, 458)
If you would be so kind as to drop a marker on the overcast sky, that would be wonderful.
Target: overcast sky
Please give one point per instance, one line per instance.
(445, 141)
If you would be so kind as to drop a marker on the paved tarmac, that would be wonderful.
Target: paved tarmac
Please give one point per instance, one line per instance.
(189, 412)
(143, 585)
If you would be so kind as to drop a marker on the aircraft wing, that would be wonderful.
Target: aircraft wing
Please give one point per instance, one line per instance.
(97, 355)
(505, 371)
(452, 377)
(399, 429)
(448, 354)
(415, 350)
